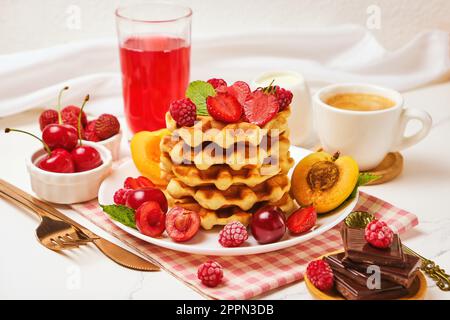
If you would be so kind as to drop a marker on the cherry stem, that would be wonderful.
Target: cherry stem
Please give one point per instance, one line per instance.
(336, 155)
(59, 104)
(46, 147)
(86, 99)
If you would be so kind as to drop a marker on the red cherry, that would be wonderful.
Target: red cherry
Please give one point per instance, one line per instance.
(268, 225)
(60, 136)
(182, 224)
(150, 219)
(86, 158)
(59, 160)
(135, 198)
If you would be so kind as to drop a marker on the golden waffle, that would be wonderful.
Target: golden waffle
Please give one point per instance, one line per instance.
(241, 196)
(237, 156)
(206, 129)
(211, 218)
(222, 176)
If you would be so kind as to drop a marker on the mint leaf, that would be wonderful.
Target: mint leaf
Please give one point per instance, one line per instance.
(366, 177)
(121, 214)
(198, 91)
(363, 179)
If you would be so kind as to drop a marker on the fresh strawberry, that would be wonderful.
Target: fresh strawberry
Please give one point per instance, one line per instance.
(302, 220)
(47, 117)
(140, 182)
(69, 115)
(224, 107)
(106, 126)
(219, 84)
(240, 90)
(89, 132)
(260, 107)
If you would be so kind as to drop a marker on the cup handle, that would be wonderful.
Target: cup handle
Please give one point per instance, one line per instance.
(407, 115)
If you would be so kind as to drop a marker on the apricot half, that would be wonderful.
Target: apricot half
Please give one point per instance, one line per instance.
(324, 181)
(146, 154)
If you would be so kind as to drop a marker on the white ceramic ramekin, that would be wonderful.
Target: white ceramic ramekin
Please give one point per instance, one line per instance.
(113, 145)
(67, 188)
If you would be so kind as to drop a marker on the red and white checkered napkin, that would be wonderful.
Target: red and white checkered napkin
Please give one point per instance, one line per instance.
(249, 276)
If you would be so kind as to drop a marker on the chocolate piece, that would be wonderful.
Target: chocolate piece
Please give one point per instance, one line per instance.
(359, 275)
(358, 249)
(352, 290)
(403, 276)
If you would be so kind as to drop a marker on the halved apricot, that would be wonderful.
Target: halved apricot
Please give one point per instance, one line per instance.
(146, 154)
(324, 181)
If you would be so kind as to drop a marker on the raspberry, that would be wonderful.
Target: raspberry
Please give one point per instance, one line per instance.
(284, 97)
(224, 107)
(210, 273)
(120, 196)
(378, 234)
(69, 115)
(233, 234)
(89, 132)
(106, 126)
(218, 84)
(320, 274)
(184, 112)
(47, 117)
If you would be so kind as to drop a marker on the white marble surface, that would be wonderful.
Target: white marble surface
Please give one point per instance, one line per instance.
(28, 270)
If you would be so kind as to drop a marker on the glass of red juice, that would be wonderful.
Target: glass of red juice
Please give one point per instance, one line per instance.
(155, 45)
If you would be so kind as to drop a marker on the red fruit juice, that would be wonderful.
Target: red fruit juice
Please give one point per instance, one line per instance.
(155, 72)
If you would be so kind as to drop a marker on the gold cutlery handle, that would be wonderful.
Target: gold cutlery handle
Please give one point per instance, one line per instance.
(111, 250)
(37, 211)
(437, 274)
(434, 271)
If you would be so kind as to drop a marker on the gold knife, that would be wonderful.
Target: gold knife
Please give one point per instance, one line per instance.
(111, 250)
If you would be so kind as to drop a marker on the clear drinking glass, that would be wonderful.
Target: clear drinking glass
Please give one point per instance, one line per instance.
(155, 45)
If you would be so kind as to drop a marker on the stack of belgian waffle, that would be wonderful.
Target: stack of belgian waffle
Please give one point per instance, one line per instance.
(227, 171)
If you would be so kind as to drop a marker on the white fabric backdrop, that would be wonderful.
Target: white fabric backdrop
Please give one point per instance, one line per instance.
(348, 53)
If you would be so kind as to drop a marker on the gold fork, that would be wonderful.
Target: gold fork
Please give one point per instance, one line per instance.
(112, 251)
(52, 233)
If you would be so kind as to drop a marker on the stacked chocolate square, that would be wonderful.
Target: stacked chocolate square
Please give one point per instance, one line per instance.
(364, 272)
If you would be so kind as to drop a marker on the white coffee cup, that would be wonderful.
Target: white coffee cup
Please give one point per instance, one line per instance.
(367, 136)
